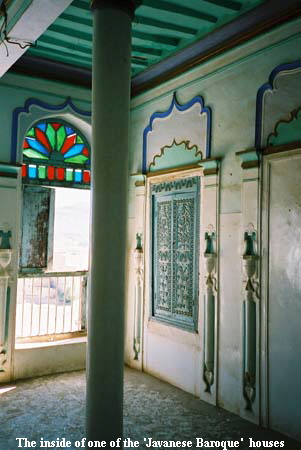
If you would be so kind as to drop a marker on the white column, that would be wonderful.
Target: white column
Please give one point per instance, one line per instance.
(110, 122)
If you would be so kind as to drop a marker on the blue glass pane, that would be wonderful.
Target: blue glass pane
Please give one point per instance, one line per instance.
(32, 171)
(75, 150)
(37, 146)
(69, 130)
(78, 176)
(42, 126)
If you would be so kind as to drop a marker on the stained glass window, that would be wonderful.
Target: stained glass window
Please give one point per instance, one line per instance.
(56, 153)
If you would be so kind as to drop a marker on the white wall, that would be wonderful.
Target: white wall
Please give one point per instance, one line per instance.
(228, 84)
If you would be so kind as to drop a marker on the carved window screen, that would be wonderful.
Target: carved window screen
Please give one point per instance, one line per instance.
(175, 248)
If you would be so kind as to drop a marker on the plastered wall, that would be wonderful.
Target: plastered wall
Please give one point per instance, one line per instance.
(15, 90)
(228, 85)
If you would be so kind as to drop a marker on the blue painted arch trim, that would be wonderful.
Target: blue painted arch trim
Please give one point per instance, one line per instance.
(161, 115)
(269, 86)
(47, 107)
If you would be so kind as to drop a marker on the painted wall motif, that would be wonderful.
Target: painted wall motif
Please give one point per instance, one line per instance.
(276, 101)
(180, 135)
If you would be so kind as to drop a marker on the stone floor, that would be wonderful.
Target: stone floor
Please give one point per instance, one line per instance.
(53, 407)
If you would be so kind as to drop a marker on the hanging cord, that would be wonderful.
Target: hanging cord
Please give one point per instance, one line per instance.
(3, 32)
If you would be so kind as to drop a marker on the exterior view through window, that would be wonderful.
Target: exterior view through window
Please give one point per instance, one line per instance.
(54, 253)
(52, 299)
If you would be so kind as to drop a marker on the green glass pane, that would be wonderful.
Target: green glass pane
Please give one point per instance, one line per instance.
(61, 136)
(30, 132)
(51, 135)
(79, 159)
(69, 175)
(42, 172)
(30, 153)
(79, 140)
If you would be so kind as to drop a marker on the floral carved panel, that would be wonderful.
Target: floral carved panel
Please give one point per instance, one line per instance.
(175, 248)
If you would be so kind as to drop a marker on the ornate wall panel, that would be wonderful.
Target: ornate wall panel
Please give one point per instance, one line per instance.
(187, 126)
(287, 130)
(35, 110)
(250, 283)
(210, 280)
(276, 100)
(136, 316)
(175, 223)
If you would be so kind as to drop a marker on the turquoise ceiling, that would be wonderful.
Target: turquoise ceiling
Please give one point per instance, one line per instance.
(160, 28)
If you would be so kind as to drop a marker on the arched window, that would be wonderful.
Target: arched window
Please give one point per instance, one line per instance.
(55, 153)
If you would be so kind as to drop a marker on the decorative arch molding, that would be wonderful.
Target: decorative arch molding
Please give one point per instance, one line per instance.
(190, 122)
(287, 130)
(161, 161)
(34, 110)
(276, 99)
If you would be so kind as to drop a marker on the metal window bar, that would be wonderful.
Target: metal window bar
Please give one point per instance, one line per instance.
(51, 303)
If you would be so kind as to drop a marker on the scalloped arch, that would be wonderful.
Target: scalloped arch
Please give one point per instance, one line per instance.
(34, 110)
(183, 149)
(270, 88)
(189, 122)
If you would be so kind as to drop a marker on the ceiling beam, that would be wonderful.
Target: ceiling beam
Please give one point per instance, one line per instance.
(147, 50)
(164, 25)
(53, 47)
(160, 5)
(71, 32)
(156, 38)
(57, 44)
(229, 4)
(138, 62)
(80, 12)
(261, 19)
(257, 21)
(62, 21)
(80, 4)
(53, 70)
(76, 19)
(85, 61)
(22, 32)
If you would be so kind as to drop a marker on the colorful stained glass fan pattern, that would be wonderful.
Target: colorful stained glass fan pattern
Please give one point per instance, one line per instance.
(55, 151)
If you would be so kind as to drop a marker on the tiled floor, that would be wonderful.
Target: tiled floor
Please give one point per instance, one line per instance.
(54, 407)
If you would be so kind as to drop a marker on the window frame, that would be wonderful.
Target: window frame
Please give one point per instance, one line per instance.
(84, 169)
(174, 319)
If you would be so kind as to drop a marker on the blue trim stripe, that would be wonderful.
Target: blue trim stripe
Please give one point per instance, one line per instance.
(269, 86)
(33, 101)
(161, 115)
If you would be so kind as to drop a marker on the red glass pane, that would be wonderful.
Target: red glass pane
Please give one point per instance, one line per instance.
(69, 142)
(25, 144)
(86, 176)
(24, 170)
(42, 138)
(85, 151)
(50, 172)
(56, 126)
(60, 173)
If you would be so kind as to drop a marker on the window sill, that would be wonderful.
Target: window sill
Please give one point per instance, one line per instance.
(52, 343)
